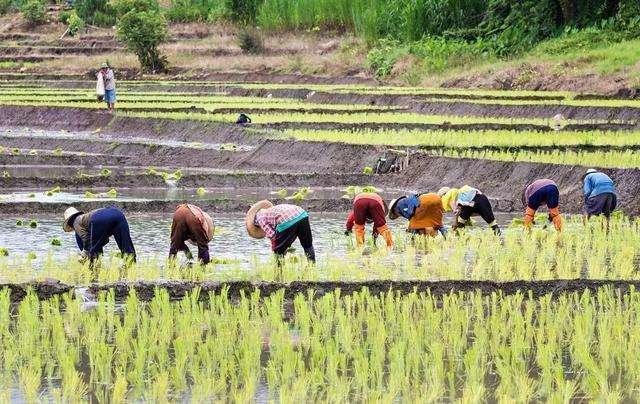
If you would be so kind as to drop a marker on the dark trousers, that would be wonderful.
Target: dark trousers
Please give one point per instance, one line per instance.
(549, 195)
(109, 222)
(302, 231)
(602, 204)
(481, 207)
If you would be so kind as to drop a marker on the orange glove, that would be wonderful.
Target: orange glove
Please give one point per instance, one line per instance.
(358, 230)
(385, 232)
(529, 215)
(554, 215)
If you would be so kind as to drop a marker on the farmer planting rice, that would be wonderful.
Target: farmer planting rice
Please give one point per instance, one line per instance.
(109, 80)
(599, 194)
(94, 228)
(542, 192)
(282, 224)
(424, 212)
(191, 224)
(368, 207)
(466, 202)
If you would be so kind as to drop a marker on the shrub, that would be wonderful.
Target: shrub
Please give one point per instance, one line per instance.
(122, 7)
(5, 6)
(96, 12)
(243, 11)
(384, 56)
(196, 10)
(142, 32)
(34, 11)
(75, 23)
(250, 40)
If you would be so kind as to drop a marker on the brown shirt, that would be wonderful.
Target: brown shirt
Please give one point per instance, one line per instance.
(186, 226)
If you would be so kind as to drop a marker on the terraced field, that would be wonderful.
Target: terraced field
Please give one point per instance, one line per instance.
(537, 316)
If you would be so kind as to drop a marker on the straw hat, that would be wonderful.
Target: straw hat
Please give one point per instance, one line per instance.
(443, 191)
(591, 171)
(104, 65)
(253, 230)
(70, 214)
(392, 213)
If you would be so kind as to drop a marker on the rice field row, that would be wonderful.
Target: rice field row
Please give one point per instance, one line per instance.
(497, 97)
(469, 139)
(581, 251)
(461, 347)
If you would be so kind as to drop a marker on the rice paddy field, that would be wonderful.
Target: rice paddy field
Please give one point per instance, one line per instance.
(521, 317)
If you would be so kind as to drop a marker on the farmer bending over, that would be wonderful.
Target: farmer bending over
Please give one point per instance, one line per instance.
(93, 230)
(599, 194)
(109, 85)
(191, 224)
(424, 212)
(282, 224)
(466, 202)
(368, 207)
(542, 192)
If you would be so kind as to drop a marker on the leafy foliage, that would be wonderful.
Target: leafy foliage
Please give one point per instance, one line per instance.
(142, 28)
(75, 23)
(95, 12)
(34, 11)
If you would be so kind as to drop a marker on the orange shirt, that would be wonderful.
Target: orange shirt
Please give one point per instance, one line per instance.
(428, 214)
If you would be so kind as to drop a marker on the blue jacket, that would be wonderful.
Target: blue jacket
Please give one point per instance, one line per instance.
(596, 184)
(407, 206)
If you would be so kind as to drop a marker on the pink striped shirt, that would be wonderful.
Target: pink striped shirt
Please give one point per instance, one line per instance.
(269, 219)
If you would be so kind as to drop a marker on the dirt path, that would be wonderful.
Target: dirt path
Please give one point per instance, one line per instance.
(145, 291)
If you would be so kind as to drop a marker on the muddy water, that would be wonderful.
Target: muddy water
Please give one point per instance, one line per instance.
(171, 193)
(151, 237)
(12, 133)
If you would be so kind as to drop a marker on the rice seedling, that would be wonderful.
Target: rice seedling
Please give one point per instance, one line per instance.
(201, 191)
(4, 252)
(406, 347)
(33, 223)
(300, 195)
(55, 241)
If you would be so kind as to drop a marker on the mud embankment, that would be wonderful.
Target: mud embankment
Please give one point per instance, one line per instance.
(146, 291)
(220, 205)
(502, 181)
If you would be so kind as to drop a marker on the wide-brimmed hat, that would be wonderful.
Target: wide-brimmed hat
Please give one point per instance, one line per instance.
(253, 230)
(391, 211)
(104, 65)
(69, 215)
(443, 191)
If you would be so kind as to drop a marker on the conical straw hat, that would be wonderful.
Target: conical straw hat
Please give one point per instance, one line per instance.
(68, 215)
(253, 230)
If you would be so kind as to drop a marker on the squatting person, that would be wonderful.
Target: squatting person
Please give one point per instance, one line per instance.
(369, 207)
(109, 86)
(424, 212)
(542, 192)
(282, 224)
(466, 202)
(191, 224)
(93, 229)
(599, 194)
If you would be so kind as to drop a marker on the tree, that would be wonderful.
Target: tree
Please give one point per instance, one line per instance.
(142, 31)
